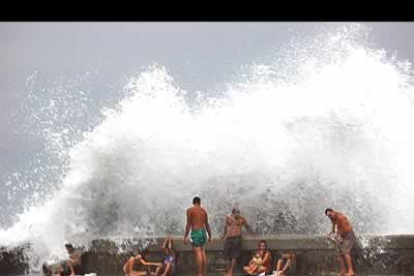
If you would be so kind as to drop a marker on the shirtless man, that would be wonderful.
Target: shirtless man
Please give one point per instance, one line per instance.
(232, 234)
(345, 238)
(197, 221)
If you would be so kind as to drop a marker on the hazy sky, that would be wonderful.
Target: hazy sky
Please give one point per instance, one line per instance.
(200, 56)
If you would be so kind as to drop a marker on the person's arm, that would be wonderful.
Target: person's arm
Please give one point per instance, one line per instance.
(247, 226)
(208, 228)
(334, 228)
(338, 230)
(170, 243)
(149, 263)
(341, 222)
(187, 227)
(225, 228)
(164, 245)
(266, 257)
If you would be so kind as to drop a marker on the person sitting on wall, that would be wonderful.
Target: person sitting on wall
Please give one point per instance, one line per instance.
(266, 261)
(256, 264)
(59, 269)
(286, 264)
(169, 258)
(144, 267)
(74, 263)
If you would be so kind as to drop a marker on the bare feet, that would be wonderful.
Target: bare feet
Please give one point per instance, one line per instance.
(339, 273)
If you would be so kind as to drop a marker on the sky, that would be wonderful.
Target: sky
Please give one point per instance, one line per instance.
(97, 57)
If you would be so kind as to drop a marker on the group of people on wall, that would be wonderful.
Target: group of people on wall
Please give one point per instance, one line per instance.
(198, 234)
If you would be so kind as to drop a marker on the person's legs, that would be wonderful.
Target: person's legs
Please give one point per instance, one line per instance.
(204, 261)
(347, 245)
(199, 238)
(69, 263)
(279, 264)
(260, 269)
(232, 252)
(348, 261)
(167, 269)
(341, 261)
(232, 266)
(199, 260)
(227, 252)
(158, 270)
(279, 267)
(246, 268)
(251, 269)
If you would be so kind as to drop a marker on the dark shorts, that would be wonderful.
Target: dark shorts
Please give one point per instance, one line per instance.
(348, 243)
(232, 247)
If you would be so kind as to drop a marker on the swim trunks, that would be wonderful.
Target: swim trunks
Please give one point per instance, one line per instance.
(198, 237)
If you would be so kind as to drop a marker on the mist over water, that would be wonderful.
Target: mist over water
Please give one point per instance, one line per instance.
(324, 122)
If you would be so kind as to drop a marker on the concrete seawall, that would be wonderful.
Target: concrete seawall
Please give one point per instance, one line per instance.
(386, 255)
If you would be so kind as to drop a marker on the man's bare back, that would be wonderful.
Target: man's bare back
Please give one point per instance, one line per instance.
(197, 217)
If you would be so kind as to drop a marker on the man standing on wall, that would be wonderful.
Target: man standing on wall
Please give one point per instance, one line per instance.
(345, 238)
(197, 221)
(232, 234)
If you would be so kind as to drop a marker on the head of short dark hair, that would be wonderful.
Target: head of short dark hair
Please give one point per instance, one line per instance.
(196, 200)
(235, 210)
(144, 252)
(328, 210)
(69, 246)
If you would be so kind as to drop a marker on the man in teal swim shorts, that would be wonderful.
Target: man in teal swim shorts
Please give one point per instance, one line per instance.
(197, 221)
